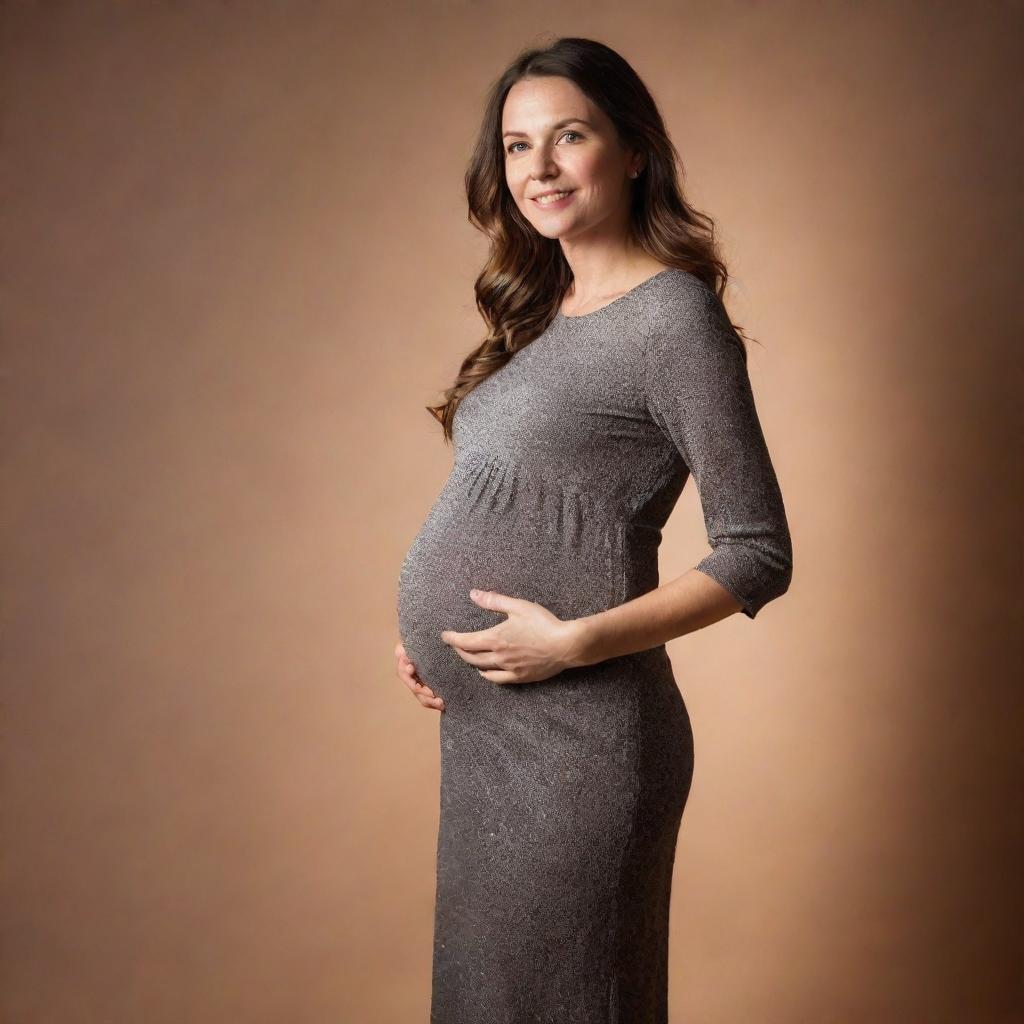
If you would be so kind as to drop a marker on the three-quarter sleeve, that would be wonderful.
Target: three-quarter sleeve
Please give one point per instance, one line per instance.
(698, 391)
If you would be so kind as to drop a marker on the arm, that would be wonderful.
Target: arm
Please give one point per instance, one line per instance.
(698, 391)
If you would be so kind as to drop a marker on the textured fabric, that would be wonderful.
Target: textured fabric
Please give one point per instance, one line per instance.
(561, 800)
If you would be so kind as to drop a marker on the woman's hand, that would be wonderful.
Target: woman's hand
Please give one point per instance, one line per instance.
(407, 673)
(531, 645)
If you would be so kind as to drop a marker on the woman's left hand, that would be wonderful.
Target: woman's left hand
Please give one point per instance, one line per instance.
(531, 645)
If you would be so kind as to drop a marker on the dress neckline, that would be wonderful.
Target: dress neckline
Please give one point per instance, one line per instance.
(625, 295)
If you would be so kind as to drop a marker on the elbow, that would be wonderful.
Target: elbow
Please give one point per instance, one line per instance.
(771, 584)
(775, 573)
(781, 579)
(753, 570)
(781, 563)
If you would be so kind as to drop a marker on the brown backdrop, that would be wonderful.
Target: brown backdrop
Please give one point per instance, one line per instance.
(236, 266)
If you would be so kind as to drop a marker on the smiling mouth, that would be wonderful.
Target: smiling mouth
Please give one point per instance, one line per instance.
(552, 197)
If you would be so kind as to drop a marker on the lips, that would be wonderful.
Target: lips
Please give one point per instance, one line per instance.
(548, 198)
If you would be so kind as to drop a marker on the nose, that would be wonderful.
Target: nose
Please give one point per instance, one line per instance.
(543, 164)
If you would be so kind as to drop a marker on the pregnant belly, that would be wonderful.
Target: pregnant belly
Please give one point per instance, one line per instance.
(573, 576)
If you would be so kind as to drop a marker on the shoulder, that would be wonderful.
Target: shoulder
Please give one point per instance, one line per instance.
(681, 314)
(677, 293)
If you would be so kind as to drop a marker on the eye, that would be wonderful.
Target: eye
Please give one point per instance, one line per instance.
(512, 147)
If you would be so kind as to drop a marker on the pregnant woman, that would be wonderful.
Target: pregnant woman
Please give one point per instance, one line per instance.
(529, 607)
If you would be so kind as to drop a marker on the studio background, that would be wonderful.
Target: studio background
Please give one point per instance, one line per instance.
(235, 268)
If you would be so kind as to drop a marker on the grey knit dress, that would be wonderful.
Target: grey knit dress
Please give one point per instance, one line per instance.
(561, 800)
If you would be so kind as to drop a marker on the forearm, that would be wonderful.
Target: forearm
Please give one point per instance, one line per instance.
(685, 604)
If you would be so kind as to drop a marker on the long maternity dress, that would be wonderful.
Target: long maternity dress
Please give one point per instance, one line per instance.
(561, 800)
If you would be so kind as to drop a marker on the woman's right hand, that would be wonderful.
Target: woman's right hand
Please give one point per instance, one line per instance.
(420, 690)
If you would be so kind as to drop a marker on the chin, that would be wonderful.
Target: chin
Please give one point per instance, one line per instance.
(549, 230)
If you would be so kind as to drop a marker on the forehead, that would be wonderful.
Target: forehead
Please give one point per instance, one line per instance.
(534, 104)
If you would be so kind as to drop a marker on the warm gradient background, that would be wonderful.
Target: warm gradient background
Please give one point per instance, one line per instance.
(236, 266)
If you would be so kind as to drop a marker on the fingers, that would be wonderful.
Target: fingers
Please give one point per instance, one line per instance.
(422, 692)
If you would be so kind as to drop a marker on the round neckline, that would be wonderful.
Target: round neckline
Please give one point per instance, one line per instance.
(625, 295)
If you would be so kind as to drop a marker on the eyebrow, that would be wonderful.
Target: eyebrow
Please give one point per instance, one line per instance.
(554, 127)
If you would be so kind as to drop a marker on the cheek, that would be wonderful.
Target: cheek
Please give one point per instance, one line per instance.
(588, 171)
(597, 197)
(519, 186)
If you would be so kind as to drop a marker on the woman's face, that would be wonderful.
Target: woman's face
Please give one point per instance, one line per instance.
(555, 139)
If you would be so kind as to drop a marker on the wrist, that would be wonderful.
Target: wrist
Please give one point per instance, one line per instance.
(581, 642)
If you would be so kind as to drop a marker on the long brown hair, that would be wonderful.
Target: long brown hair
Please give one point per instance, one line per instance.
(521, 287)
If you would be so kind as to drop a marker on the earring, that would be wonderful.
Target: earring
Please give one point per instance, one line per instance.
(634, 174)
